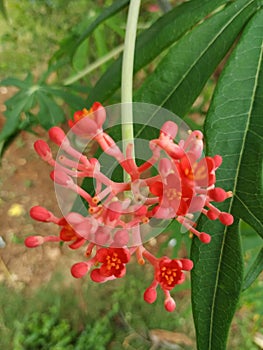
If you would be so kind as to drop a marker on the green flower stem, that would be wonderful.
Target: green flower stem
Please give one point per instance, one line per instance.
(127, 75)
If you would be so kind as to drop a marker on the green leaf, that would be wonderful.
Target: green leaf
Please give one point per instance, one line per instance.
(153, 41)
(188, 65)
(21, 84)
(255, 269)
(233, 129)
(235, 123)
(71, 43)
(216, 283)
(73, 100)
(15, 106)
(50, 113)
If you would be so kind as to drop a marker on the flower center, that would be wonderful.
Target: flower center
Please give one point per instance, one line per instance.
(168, 275)
(172, 193)
(113, 261)
(85, 113)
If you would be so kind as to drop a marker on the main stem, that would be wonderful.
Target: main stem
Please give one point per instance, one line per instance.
(127, 76)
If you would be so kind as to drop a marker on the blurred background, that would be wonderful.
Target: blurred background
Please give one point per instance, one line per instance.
(41, 305)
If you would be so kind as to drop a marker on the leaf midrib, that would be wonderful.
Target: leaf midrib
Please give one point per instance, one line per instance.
(234, 191)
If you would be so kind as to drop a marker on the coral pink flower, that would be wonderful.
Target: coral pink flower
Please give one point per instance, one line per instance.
(68, 234)
(88, 123)
(169, 273)
(202, 173)
(113, 262)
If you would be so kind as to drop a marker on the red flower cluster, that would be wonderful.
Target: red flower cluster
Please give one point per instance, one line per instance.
(119, 216)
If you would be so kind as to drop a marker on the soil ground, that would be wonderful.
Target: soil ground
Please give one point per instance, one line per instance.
(25, 182)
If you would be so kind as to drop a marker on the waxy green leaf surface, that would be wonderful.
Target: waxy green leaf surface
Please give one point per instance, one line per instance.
(153, 41)
(234, 129)
(188, 65)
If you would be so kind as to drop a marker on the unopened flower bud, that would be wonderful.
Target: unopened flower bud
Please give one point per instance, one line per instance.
(58, 136)
(170, 129)
(169, 304)
(79, 270)
(187, 264)
(34, 241)
(205, 238)
(61, 178)
(40, 213)
(150, 295)
(218, 161)
(226, 219)
(43, 150)
(217, 194)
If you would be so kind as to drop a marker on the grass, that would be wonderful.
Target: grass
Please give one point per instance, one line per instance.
(114, 311)
(117, 305)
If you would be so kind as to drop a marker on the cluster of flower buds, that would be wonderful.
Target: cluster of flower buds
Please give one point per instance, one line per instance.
(176, 182)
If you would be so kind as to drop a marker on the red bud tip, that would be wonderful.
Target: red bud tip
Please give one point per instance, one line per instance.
(43, 150)
(40, 214)
(170, 129)
(34, 241)
(170, 304)
(205, 238)
(57, 135)
(79, 270)
(61, 178)
(218, 160)
(150, 295)
(217, 194)
(187, 264)
(226, 219)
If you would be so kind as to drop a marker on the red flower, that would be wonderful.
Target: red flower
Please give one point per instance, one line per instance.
(88, 122)
(169, 273)
(113, 262)
(68, 234)
(173, 193)
(202, 173)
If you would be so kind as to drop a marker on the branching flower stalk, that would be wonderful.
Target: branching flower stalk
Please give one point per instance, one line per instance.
(115, 226)
(175, 182)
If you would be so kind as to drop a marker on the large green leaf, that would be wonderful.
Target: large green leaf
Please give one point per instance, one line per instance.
(187, 66)
(15, 106)
(153, 41)
(234, 129)
(71, 43)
